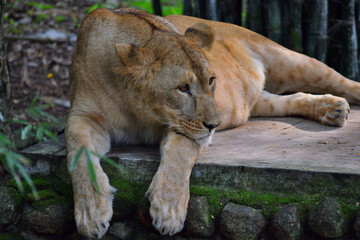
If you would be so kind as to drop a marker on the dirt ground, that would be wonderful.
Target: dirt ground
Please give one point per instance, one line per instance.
(39, 66)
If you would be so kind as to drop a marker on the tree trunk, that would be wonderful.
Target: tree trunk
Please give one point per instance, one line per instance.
(187, 8)
(349, 40)
(157, 7)
(335, 35)
(272, 21)
(254, 16)
(230, 11)
(317, 29)
(357, 23)
(5, 86)
(210, 7)
(200, 10)
(291, 32)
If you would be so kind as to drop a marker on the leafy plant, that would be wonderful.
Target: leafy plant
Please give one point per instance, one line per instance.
(41, 131)
(99, 5)
(89, 161)
(41, 6)
(13, 163)
(143, 5)
(59, 19)
(40, 17)
(171, 7)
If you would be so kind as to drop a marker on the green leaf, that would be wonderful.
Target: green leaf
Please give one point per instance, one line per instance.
(33, 113)
(33, 101)
(91, 170)
(4, 140)
(20, 121)
(10, 160)
(59, 19)
(143, 5)
(27, 179)
(108, 160)
(20, 158)
(76, 158)
(48, 116)
(26, 132)
(53, 136)
(96, 6)
(40, 133)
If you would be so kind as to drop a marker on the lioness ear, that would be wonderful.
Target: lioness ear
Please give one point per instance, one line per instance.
(131, 54)
(201, 34)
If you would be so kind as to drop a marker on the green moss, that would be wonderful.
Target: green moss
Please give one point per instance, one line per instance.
(43, 195)
(350, 209)
(43, 184)
(63, 189)
(50, 189)
(40, 183)
(128, 192)
(41, 204)
(269, 203)
(10, 236)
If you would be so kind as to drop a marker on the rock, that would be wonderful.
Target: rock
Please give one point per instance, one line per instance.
(49, 220)
(122, 210)
(241, 222)
(141, 234)
(285, 224)
(122, 230)
(357, 226)
(198, 221)
(9, 202)
(29, 235)
(10, 236)
(327, 219)
(108, 236)
(25, 20)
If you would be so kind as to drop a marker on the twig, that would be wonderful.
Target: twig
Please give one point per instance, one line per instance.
(35, 39)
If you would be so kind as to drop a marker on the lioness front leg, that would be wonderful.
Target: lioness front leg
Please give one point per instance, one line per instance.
(327, 109)
(93, 210)
(169, 189)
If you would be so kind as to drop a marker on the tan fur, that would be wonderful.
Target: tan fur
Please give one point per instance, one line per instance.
(126, 79)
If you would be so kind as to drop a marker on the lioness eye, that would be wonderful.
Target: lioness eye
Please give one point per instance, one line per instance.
(211, 81)
(184, 88)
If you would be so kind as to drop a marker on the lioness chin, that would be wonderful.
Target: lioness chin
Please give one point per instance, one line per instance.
(142, 79)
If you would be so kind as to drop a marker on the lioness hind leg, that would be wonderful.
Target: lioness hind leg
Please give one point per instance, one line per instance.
(92, 210)
(327, 109)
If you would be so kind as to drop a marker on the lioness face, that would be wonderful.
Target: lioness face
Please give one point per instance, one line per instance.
(176, 82)
(185, 86)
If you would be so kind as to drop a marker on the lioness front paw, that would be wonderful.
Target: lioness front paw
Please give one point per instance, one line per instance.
(333, 110)
(168, 204)
(93, 211)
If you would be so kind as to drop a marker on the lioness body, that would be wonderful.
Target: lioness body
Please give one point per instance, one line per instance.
(136, 78)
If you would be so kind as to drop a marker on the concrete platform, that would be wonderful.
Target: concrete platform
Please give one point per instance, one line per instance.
(287, 155)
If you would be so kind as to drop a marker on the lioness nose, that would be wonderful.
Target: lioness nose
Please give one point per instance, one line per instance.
(211, 126)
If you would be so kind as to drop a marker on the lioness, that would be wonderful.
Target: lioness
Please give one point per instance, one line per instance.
(142, 79)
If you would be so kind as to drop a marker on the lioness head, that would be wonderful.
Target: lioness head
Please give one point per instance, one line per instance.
(170, 81)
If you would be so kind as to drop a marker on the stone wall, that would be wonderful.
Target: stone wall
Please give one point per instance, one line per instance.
(230, 199)
(213, 213)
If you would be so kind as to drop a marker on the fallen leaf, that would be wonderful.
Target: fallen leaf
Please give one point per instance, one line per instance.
(25, 77)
